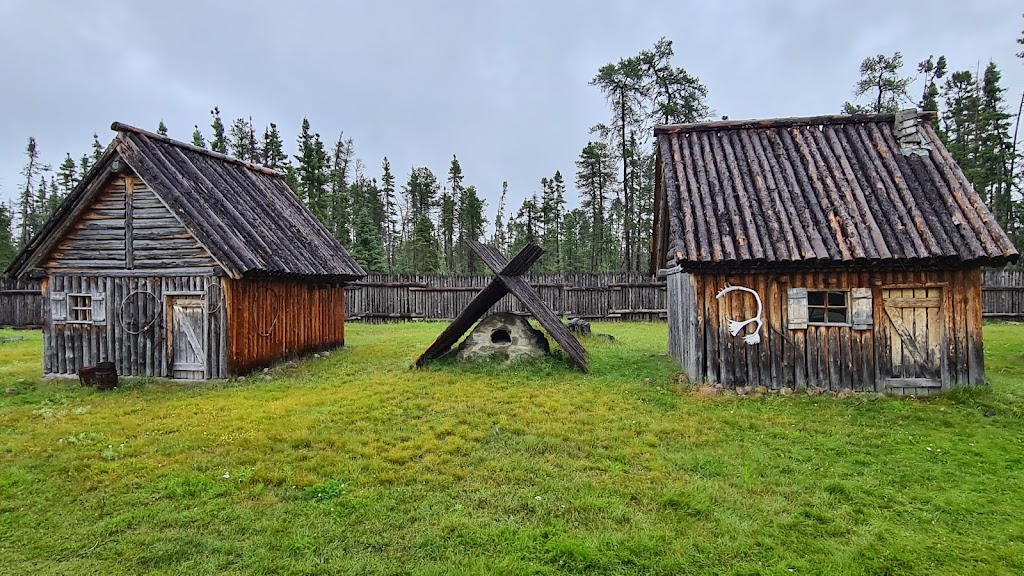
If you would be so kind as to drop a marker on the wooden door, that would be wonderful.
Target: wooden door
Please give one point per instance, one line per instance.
(186, 343)
(912, 335)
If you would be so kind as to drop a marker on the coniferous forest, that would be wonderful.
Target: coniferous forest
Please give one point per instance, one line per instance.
(423, 221)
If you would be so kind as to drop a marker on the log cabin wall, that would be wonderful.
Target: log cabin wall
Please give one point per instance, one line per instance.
(274, 319)
(129, 323)
(832, 357)
(128, 227)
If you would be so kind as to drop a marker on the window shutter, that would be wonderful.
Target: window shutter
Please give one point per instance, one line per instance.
(797, 309)
(99, 309)
(860, 308)
(59, 307)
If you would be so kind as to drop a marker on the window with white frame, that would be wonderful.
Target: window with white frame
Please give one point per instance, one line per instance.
(80, 308)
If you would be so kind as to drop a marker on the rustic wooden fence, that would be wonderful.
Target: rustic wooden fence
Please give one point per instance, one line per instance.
(399, 297)
(21, 303)
(384, 298)
(1002, 293)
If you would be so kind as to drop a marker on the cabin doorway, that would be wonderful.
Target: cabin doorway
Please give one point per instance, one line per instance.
(186, 331)
(912, 334)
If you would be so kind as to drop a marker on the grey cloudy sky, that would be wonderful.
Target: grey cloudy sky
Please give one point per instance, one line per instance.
(503, 84)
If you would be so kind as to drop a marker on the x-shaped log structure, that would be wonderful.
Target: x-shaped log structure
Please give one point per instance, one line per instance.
(507, 279)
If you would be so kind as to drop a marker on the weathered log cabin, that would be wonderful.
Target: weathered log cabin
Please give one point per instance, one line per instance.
(174, 261)
(843, 252)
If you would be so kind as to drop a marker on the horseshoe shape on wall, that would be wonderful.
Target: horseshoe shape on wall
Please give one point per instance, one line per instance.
(736, 326)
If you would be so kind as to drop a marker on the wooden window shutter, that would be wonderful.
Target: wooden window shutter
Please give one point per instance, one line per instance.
(59, 307)
(797, 309)
(99, 309)
(861, 309)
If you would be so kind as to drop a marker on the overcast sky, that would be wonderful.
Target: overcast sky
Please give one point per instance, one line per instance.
(504, 85)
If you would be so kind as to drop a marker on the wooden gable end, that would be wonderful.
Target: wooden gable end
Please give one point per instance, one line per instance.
(127, 227)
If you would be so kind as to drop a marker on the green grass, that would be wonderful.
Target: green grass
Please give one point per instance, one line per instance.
(353, 464)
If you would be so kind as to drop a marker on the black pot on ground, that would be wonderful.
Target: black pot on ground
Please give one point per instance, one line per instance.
(106, 376)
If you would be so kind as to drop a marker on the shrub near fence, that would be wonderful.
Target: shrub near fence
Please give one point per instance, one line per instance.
(397, 297)
(21, 303)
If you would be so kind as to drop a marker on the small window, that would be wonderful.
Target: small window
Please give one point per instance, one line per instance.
(80, 308)
(827, 307)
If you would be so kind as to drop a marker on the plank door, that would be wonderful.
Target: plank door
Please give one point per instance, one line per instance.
(186, 344)
(913, 335)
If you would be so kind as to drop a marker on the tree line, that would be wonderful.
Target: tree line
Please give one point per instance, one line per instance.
(426, 224)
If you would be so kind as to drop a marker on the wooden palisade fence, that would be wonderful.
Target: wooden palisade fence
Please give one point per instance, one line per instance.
(21, 303)
(1002, 293)
(384, 298)
(399, 297)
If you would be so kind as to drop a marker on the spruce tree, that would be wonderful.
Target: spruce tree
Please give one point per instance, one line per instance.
(551, 209)
(499, 237)
(161, 128)
(446, 230)
(67, 175)
(8, 247)
(312, 173)
(421, 252)
(97, 148)
(219, 142)
(471, 227)
(272, 149)
(241, 141)
(995, 148)
(391, 217)
(338, 204)
(931, 70)
(595, 176)
(41, 203)
(455, 254)
(367, 246)
(27, 199)
(197, 137)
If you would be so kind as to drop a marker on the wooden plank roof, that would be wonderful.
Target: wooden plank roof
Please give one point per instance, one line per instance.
(244, 214)
(818, 190)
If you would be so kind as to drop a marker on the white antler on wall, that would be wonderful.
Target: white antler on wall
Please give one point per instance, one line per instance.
(735, 327)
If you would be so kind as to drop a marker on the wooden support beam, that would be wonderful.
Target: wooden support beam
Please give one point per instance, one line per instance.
(507, 279)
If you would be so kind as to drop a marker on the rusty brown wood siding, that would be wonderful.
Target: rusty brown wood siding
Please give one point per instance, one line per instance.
(67, 347)
(274, 319)
(832, 357)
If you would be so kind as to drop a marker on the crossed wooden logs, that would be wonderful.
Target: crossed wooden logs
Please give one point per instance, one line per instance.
(507, 279)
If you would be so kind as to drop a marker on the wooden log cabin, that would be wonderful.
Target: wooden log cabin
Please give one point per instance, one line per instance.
(841, 252)
(174, 261)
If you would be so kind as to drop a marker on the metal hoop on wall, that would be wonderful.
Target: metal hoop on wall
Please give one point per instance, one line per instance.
(214, 296)
(154, 307)
(273, 298)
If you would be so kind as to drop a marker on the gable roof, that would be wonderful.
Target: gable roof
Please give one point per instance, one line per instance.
(244, 214)
(827, 189)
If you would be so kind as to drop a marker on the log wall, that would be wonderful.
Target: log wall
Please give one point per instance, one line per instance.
(133, 329)
(832, 357)
(274, 319)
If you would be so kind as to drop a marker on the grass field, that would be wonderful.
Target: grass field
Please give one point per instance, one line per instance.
(352, 464)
